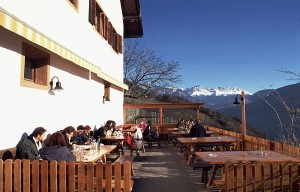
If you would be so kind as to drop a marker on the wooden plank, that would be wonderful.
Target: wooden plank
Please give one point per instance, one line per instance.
(71, 176)
(285, 175)
(17, 175)
(258, 178)
(127, 176)
(81, 177)
(276, 176)
(44, 176)
(267, 177)
(239, 177)
(62, 176)
(294, 176)
(249, 177)
(117, 176)
(8, 175)
(35, 177)
(99, 176)
(108, 177)
(1, 175)
(26, 175)
(53, 176)
(90, 177)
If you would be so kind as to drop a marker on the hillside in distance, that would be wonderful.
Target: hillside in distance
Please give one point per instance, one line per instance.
(262, 116)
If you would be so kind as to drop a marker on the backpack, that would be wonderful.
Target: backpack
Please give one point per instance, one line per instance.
(129, 140)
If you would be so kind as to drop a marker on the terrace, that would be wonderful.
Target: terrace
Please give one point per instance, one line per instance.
(273, 165)
(167, 165)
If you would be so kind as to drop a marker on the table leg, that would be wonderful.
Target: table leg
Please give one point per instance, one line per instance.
(212, 176)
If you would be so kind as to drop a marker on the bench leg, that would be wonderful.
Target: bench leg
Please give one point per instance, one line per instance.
(143, 148)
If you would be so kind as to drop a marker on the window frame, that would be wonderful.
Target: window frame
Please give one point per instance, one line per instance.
(74, 4)
(42, 65)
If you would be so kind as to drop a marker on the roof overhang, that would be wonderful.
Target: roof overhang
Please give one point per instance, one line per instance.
(132, 18)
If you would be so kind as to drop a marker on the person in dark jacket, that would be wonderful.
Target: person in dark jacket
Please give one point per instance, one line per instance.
(56, 149)
(30, 147)
(76, 138)
(68, 133)
(197, 130)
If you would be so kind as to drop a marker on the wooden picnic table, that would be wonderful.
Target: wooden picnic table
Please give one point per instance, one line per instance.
(173, 129)
(207, 141)
(219, 158)
(112, 139)
(91, 155)
(186, 134)
(130, 130)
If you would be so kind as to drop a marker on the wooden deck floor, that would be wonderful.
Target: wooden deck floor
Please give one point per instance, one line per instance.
(164, 169)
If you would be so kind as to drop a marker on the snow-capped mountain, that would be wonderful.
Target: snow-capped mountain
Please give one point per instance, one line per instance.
(212, 97)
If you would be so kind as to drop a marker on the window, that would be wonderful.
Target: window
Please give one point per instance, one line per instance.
(104, 27)
(74, 3)
(34, 67)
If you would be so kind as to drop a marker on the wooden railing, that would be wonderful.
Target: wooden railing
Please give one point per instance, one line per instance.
(258, 176)
(23, 175)
(248, 143)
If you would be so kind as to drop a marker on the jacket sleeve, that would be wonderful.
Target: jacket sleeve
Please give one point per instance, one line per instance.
(69, 155)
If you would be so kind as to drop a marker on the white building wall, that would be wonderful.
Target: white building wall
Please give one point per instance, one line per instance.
(23, 109)
(59, 21)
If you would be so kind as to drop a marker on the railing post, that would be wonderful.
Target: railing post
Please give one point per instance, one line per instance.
(272, 145)
(243, 143)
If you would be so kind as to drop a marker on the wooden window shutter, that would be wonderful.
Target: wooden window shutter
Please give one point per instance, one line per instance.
(109, 32)
(115, 40)
(41, 71)
(92, 12)
(101, 24)
(105, 26)
(120, 44)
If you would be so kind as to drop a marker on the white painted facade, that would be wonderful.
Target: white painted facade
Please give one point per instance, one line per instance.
(22, 108)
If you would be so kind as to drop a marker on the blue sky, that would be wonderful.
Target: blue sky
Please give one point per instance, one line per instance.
(226, 43)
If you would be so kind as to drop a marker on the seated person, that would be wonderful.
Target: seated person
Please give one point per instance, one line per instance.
(56, 149)
(68, 133)
(76, 138)
(138, 134)
(150, 134)
(30, 147)
(197, 130)
(100, 132)
(142, 125)
(85, 136)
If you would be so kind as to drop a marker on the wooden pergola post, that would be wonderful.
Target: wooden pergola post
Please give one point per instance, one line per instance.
(244, 131)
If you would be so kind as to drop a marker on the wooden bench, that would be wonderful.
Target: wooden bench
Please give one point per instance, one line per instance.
(205, 168)
(23, 175)
(258, 176)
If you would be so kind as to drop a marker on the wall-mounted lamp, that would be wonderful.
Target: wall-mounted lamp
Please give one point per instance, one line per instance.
(57, 88)
(105, 98)
(236, 100)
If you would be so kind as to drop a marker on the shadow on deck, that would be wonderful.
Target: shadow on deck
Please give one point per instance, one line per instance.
(164, 169)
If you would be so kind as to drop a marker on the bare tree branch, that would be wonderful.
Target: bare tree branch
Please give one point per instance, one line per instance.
(145, 72)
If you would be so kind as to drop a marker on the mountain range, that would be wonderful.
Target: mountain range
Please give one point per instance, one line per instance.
(259, 111)
(215, 98)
